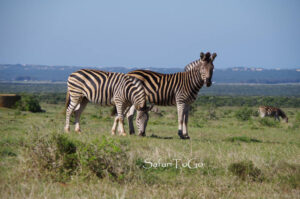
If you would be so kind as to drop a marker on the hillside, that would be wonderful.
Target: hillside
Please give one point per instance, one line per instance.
(20, 72)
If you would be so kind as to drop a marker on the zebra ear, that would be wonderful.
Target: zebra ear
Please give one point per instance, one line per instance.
(202, 55)
(213, 56)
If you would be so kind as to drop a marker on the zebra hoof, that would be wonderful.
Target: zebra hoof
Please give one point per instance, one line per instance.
(131, 132)
(67, 129)
(78, 131)
(186, 137)
(180, 134)
(142, 134)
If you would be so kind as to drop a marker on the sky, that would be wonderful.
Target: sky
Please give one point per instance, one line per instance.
(163, 33)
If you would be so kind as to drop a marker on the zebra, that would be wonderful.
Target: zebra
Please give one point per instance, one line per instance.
(180, 89)
(269, 111)
(105, 88)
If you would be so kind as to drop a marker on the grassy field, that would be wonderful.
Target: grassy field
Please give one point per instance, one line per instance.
(236, 158)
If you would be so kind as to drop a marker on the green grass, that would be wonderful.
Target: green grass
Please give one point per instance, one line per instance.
(234, 158)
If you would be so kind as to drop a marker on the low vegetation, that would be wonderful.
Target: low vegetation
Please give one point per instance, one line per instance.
(244, 114)
(29, 103)
(59, 157)
(229, 157)
(246, 170)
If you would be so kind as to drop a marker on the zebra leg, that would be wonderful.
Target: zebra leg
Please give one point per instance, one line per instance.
(73, 103)
(121, 129)
(185, 121)
(180, 108)
(78, 112)
(120, 111)
(130, 116)
(113, 130)
(261, 115)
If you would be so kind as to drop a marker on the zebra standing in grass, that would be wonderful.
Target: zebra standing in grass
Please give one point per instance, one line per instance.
(105, 88)
(269, 111)
(180, 89)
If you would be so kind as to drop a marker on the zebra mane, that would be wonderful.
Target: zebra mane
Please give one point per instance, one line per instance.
(191, 65)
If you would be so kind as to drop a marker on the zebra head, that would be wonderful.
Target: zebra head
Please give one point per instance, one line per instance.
(142, 117)
(137, 96)
(207, 67)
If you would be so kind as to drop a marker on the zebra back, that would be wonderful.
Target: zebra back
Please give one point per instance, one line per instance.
(105, 87)
(167, 89)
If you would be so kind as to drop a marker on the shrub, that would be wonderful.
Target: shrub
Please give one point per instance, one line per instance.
(29, 103)
(246, 170)
(244, 114)
(60, 157)
(227, 113)
(269, 122)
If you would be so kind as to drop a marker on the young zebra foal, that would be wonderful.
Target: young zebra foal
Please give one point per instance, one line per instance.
(104, 88)
(269, 111)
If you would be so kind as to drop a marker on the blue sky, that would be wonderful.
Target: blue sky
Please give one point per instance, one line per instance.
(167, 33)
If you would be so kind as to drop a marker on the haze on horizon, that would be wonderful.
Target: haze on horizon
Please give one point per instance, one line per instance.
(150, 33)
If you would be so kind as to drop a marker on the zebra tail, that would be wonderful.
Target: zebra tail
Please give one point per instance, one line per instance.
(113, 111)
(67, 102)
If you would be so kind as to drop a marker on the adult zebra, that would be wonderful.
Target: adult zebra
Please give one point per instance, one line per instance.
(180, 89)
(105, 88)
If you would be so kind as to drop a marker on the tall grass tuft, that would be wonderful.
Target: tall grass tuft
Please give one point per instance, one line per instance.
(246, 170)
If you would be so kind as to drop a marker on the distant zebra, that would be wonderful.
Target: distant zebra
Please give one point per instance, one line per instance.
(105, 88)
(269, 111)
(180, 89)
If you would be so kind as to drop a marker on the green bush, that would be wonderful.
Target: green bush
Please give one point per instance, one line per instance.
(244, 114)
(227, 113)
(269, 122)
(29, 103)
(60, 157)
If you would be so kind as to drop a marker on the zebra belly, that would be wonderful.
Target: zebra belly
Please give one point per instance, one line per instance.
(169, 101)
(101, 100)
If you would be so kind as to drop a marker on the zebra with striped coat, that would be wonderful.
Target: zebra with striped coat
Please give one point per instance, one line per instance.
(105, 88)
(180, 89)
(269, 111)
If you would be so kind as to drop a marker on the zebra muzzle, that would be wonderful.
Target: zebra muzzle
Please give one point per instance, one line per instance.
(208, 83)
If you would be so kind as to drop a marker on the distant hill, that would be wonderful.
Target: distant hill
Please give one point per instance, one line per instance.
(25, 73)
